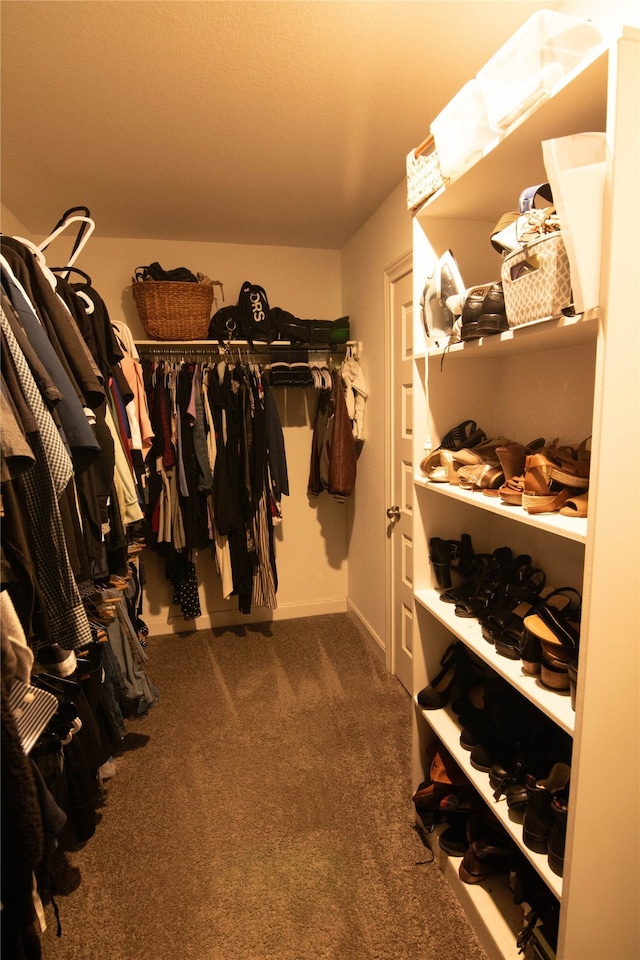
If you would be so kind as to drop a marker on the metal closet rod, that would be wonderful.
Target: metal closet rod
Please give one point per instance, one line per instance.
(238, 348)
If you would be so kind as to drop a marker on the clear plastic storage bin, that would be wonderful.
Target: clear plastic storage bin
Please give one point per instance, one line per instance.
(461, 131)
(532, 62)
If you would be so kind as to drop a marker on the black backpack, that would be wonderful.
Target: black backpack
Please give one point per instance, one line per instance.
(249, 319)
(253, 315)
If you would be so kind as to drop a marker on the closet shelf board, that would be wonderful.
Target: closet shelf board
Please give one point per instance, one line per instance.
(550, 333)
(447, 728)
(553, 703)
(572, 528)
(579, 102)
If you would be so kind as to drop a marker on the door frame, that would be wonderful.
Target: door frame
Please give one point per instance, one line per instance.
(396, 270)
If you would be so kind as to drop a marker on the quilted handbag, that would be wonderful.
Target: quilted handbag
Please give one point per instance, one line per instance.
(536, 280)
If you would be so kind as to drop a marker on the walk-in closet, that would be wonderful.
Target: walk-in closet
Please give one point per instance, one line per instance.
(320, 529)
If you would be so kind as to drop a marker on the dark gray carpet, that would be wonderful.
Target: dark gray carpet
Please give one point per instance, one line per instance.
(268, 817)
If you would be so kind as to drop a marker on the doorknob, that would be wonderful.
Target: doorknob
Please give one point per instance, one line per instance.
(393, 513)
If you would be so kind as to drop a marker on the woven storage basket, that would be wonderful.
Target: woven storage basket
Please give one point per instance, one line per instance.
(424, 176)
(171, 310)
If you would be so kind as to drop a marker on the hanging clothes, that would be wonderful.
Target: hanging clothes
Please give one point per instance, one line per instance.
(355, 395)
(68, 509)
(217, 474)
(333, 453)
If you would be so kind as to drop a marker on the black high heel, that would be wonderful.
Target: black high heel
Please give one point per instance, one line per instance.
(449, 556)
(489, 575)
(455, 667)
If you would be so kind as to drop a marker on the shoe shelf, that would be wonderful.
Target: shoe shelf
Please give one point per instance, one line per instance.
(548, 333)
(572, 528)
(447, 728)
(554, 704)
(496, 919)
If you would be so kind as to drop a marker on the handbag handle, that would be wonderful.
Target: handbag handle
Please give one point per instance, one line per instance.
(528, 196)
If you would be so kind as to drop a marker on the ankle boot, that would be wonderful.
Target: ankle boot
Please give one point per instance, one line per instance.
(489, 853)
(558, 835)
(538, 817)
(451, 556)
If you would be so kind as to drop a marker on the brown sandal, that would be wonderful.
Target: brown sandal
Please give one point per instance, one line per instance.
(570, 464)
(541, 493)
(576, 506)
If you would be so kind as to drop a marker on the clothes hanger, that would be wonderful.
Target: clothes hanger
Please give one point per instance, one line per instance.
(90, 305)
(85, 231)
(85, 276)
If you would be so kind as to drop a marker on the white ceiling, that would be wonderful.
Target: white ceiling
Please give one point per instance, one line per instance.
(261, 122)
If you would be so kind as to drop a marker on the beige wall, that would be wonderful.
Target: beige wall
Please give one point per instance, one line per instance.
(311, 542)
(10, 224)
(383, 239)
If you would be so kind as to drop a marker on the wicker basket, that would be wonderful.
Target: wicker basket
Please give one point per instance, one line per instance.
(171, 310)
(424, 176)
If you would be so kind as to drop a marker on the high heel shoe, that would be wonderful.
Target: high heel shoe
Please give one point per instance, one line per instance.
(557, 618)
(466, 434)
(570, 464)
(489, 574)
(542, 493)
(482, 453)
(502, 621)
(449, 556)
(455, 666)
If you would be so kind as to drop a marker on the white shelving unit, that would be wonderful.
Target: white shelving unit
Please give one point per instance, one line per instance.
(556, 378)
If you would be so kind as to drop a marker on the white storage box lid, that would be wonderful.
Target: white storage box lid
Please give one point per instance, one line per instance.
(532, 62)
(461, 131)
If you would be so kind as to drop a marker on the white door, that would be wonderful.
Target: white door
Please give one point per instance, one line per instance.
(400, 471)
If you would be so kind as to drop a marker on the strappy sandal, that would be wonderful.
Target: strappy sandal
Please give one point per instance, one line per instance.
(570, 464)
(484, 452)
(481, 476)
(502, 625)
(511, 491)
(466, 434)
(512, 459)
(541, 493)
(557, 619)
(576, 506)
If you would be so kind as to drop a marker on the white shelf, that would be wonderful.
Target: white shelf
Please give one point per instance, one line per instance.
(555, 704)
(549, 333)
(572, 528)
(447, 728)
(578, 103)
(496, 919)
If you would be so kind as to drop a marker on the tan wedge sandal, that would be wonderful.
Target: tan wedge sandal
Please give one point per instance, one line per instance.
(541, 493)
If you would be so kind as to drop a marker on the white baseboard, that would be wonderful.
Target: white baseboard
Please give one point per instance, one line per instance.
(375, 642)
(232, 616)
